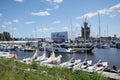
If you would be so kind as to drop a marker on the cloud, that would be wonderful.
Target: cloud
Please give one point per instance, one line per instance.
(105, 11)
(56, 22)
(11, 22)
(19, 0)
(15, 21)
(54, 1)
(112, 15)
(88, 15)
(7, 23)
(115, 8)
(45, 29)
(3, 26)
(14, 28)
(30, 22)
(0, 14)
(66, 28)
(48, 9)
(44, 13)
(56, 7)
(49, 0)
(57, 1)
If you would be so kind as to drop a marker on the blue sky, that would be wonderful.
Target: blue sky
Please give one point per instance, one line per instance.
(38, 18)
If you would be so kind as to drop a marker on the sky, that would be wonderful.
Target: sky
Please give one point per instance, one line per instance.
(39, 18)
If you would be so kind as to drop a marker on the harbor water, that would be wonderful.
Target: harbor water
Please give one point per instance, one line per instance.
(111, 55)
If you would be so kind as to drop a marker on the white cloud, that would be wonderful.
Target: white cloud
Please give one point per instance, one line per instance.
(30, 22)
(44, 13)
(19, 0)
(112, 15)
(66, 28)
(56, 22)
(115, 8)
(48, 9)
(87, 15)
(0, 14)
(102, 11)
(45, 29)
(16, 21)
(14, 28)
(57, 1)
(3, 26)
(49, 0)
(7, 23)
(56, 7)
(54, 1)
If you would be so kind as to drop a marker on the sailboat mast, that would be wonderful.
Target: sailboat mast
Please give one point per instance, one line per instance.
(99, 28)
(72, 35)
(85, 41)
(107, 30)
(71, 29)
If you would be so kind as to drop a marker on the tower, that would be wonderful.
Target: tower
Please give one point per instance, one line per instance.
(85, 31)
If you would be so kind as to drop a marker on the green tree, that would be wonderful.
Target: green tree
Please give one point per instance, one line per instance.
(5, 36)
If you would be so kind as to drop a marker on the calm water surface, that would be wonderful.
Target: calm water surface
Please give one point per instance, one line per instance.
(112, 56)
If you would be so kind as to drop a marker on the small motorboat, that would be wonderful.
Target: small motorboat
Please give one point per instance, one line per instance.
(52, 59)
(83, 65)
(98, 66)
(6, 55)
(29, 60)
(41, 58)
(69, 64)
(113, 69)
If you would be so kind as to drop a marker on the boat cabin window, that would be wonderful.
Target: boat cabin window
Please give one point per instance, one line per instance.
(63, 46)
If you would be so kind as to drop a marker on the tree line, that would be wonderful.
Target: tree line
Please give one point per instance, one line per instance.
(5, 36)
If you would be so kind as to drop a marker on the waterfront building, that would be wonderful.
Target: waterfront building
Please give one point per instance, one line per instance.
(59, 36)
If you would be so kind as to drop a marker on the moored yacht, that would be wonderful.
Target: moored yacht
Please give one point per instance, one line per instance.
(84, 47)
(59, 48)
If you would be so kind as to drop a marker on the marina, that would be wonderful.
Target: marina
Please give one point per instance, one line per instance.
(59, 40)
(100, 59)
(112, 60)
(84, 53)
